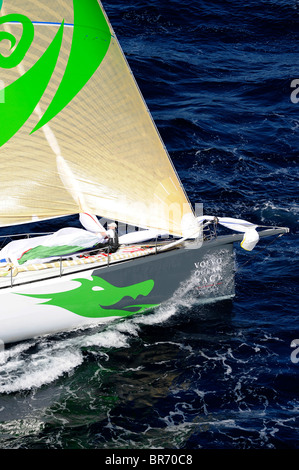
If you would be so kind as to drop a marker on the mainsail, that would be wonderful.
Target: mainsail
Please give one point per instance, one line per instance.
(75, 132)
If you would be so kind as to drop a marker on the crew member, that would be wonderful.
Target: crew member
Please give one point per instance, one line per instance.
(113, 242)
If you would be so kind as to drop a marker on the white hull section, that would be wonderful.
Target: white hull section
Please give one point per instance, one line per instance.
(23, 317)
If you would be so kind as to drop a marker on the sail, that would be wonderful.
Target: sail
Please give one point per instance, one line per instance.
(75, 133)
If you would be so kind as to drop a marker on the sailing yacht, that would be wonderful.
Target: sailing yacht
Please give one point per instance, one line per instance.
(76, 137)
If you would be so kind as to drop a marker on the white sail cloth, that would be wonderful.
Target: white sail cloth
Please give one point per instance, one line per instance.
(61, 243)
(91, 223)
(251, 236)
(67, 241)
(71, 240)
(140, 236)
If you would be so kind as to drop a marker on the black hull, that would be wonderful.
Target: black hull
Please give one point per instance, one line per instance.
(206, 273)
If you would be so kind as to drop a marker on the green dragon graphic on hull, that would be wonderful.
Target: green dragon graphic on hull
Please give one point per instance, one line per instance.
(98, 298)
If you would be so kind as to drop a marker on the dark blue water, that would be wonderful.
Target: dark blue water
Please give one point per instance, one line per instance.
(217, 78)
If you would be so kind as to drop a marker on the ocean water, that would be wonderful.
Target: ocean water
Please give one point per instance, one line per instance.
(218, 77)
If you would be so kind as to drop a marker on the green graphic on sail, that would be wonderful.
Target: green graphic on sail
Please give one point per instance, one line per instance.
(89, 45)
(91, 39)
(73, 118)
(25, 42)
(22, 96)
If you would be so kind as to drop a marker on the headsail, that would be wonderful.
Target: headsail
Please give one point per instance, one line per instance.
(75, 133)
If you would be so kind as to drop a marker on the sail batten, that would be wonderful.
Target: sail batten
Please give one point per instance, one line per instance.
(90, 142)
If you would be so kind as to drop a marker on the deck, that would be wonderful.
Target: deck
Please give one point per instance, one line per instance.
(15, 275)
